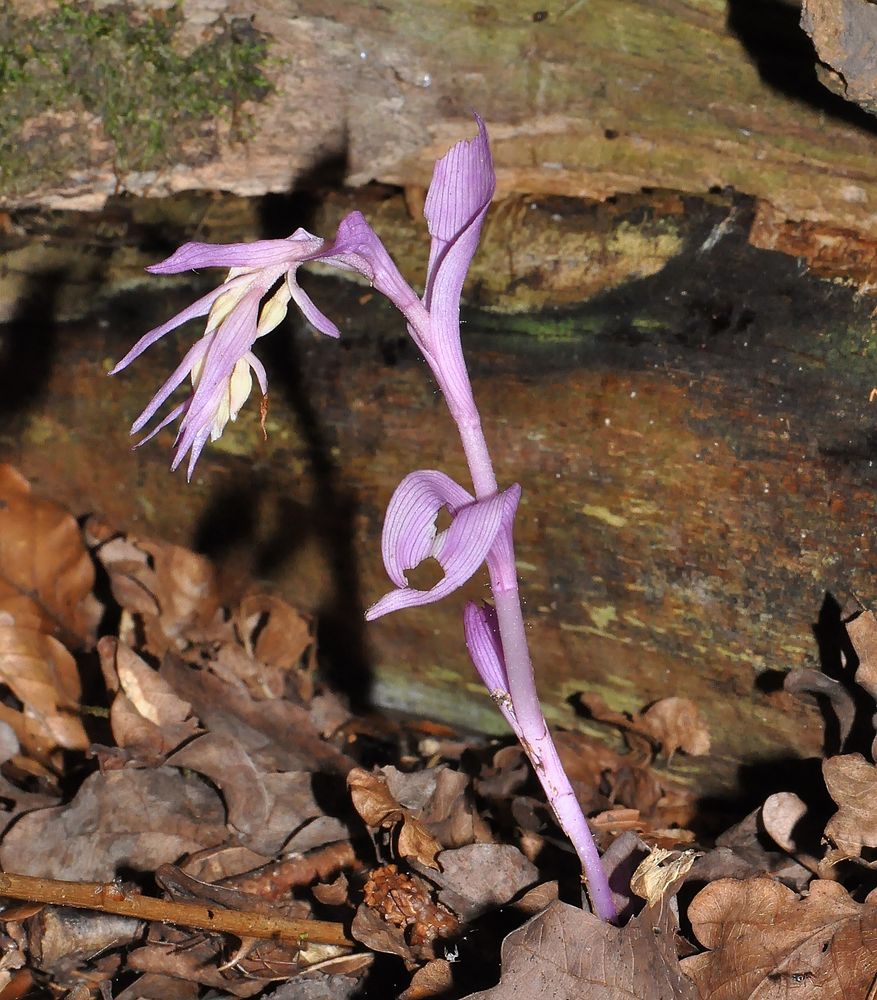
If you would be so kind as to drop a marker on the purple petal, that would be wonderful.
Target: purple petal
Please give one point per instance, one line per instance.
(310, 312)
(501, 558)
(357, 247)
(409, 525)
(193, 356)
(231, 342)
(169, 419)
(259, 371)
(261, 253)
(481, 629)
(463, 183)
(409, 536)
(199, 308)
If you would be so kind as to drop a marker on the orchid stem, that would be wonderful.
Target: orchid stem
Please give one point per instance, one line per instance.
(533, 730)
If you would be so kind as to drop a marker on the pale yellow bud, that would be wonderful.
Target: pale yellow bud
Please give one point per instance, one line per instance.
(274, 310)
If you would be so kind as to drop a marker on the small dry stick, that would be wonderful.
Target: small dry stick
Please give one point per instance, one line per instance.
(107, 897)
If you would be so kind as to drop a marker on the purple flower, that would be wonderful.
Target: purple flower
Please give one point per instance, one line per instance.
(221, 363)
(410, 536)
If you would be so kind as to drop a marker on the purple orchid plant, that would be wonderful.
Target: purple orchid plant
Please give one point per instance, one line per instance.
(221, 365)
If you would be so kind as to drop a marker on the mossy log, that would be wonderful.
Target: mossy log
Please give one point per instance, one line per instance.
(583, 100)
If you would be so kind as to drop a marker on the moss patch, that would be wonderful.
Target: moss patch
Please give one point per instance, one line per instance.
(128, 69)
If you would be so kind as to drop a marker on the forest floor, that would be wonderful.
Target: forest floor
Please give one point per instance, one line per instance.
(189, 811)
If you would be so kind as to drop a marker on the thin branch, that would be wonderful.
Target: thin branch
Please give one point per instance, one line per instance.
(107, 897)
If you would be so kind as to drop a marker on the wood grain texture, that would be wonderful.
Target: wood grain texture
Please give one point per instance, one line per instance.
(589, 100)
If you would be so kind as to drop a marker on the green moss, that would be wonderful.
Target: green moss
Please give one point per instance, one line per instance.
(127, 68)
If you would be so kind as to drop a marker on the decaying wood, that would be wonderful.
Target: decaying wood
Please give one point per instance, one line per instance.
(582, 99)
(110, 898)
(844, 33)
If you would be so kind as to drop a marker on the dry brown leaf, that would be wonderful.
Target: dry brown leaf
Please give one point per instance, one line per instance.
(147, 718)
(670, 723)
(768, 943)
(657, 874)
(434, 978)
(862, 631)
(172, 590)
(122, 819)
(852, 783)
(43, 675)
(46, 573)
(378, 808)
(567, 954)
(264, 809)
(273, 631)
(676, 724)
(278, 735)
(222, 759)
(780, 814)
(481, 877)
(440, 799)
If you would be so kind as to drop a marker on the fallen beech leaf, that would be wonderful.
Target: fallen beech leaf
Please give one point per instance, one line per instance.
(43, 675)
(481, 877)
(862, 631)
(780, 814)
(768, 943)
(222, 759)
(122, 819)
(150, 694)
(657, 874)
(440, 799)
(46, 572)
(173, 590)
(273, 631)
(155, 986)
(852, 783)
(739, 853)
(147, 718)
(377, 807)
(278, 735)
(431, 980)
(676, 724)
(61, 938)
(195, 961)
(567, 954)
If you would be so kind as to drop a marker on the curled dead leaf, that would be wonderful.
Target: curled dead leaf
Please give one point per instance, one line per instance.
(46, 573)
(765, 941)
(377, 807)
(852, 783)
(676, 723)
(660, 873)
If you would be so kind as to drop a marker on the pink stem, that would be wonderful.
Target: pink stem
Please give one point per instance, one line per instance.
(532, 728)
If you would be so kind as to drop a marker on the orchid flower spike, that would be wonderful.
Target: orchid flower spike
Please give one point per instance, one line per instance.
(221, 363)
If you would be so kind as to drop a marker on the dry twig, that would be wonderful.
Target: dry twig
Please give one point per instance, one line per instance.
(108, 897)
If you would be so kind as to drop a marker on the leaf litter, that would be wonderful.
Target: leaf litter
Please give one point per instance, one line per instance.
(211, 822)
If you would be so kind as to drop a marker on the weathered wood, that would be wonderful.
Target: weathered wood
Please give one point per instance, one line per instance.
(844, 33)
(583, 99)
(695, 447)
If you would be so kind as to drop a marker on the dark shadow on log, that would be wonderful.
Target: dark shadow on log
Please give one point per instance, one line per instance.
(786, 60)
(28, 344)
